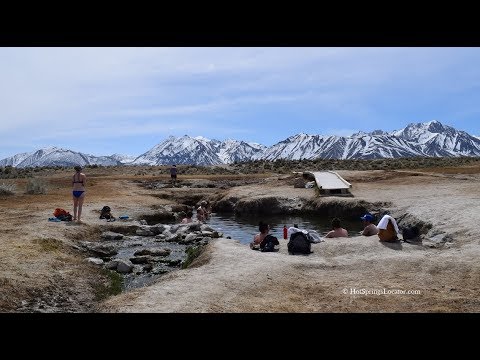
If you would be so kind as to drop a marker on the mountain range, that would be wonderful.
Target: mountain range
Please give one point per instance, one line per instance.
(430, 139)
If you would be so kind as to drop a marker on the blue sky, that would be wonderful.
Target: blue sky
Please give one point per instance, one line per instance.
(102, 101)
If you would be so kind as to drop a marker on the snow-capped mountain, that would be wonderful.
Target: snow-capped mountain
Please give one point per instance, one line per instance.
(230, 151)
(424, 139)
(183, 150)
(15, 159)
(54, 156)
(358, 146)
(437, 139)
(198, 150)
(124, 159)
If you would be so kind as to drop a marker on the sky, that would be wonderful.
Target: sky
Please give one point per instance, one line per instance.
(102, 101)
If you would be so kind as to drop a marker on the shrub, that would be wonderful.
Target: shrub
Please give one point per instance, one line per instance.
(36, 186)
(7, 189)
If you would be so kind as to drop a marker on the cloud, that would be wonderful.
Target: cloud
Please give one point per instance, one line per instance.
(49, 93)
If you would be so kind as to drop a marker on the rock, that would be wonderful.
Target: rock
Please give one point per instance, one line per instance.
(153, 252)
(166, 227)
(190, 237)
(147, 267)
(159, 271)
(135, 244)
(208, 233)
(205, 227)
(112, 265)
(157, 229)
(160, 237)
(144, 230)
(94, 260)
(179, 208)
(124, 266)
(104, 250)
(174, 228)
(137, 269)
(143, 222)
(174, 262)
(441, 238)
(143, 259)
(195, 226)
(110, 235)
(174, 238)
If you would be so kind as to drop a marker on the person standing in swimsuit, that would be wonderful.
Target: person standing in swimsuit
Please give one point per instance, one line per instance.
(79, 182)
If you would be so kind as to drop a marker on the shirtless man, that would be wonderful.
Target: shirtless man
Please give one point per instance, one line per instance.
(257, 239)
(369, 228)
(78, 183)
(337, 231)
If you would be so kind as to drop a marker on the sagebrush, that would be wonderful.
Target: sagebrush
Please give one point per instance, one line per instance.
(7, 189)
(36, 186)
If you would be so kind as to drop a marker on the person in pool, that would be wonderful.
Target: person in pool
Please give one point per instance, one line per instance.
(257, 239)
(78, 191)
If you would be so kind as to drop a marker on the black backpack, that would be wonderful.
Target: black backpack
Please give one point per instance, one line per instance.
(105, 213)
(268, 244)
(411, 233)
(299, 244)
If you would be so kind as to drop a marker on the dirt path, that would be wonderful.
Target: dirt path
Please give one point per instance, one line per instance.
(357, 274)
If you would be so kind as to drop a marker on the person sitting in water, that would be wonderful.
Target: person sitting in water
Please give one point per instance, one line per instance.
(188, 219)
(388, 229)
(337, 231)
(202, 212)
(257, 239)
(369, 228)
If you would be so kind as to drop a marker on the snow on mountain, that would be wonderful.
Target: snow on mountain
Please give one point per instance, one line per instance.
(198, 150)
(124, 159)
(15, 159)
(182, 150)
(230, 151)
(423, 139)
(437, 139)
(53, 156)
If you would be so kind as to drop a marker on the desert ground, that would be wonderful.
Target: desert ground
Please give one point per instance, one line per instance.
(42, 270)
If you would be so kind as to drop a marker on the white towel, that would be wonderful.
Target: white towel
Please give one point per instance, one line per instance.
(384, 222)
(314, 236)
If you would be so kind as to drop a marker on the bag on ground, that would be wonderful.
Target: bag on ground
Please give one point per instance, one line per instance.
(105, 213)
(299, 244)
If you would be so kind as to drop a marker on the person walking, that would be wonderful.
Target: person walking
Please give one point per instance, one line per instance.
(173, 174)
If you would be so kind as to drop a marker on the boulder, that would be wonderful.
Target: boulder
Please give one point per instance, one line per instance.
(145, 231)
(124, 266)
(153, 252)
(190, 237)
(142, 259)
(104, 250)
(112, 265)
(110, 235)
(94, 260)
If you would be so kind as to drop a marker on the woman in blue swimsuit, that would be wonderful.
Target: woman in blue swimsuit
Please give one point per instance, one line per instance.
(79, 182)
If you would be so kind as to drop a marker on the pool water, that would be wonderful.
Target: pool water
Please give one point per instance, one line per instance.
(244, 228)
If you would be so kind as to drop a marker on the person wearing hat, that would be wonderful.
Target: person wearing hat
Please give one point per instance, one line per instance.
(369, 228)
(78, 192)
